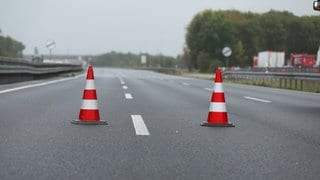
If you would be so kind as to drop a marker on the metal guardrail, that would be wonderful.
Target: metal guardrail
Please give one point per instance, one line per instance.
(13, 69)
(295, 81)
(280, 69)
(291, 75)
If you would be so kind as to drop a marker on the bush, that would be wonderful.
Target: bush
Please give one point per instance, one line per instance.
(214, 65)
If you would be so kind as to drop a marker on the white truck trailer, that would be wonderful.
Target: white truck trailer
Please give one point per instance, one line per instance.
(271, 59)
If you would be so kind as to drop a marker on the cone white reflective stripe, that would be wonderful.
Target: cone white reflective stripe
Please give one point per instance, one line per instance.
(89, 104)
(218, 88)
(89, 84)
(217, 107)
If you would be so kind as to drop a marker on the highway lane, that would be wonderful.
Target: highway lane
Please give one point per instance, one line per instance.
(275, 139)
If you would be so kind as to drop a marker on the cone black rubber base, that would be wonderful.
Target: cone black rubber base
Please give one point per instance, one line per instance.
(101, 122)
(216, 125)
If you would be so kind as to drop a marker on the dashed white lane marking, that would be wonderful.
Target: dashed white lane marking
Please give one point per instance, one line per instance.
(139, 125)
(208, 89)
(37, 85)
(257, 99)
(186, 84)
(124, 87)
(128, 96)
(121, 80)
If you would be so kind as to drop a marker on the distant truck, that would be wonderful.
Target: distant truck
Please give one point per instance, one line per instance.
(318, 58)
(303, 60)
(269, 59)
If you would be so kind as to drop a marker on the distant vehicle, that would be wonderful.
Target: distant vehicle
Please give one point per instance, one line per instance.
(318, 58)
(269, 59)
(316, 5)
(303, 60)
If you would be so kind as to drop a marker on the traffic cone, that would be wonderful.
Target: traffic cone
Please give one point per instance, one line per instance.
(217, 116)
(89, 112)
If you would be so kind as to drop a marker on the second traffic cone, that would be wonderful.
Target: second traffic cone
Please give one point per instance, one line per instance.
(89, 112)
(217, 116)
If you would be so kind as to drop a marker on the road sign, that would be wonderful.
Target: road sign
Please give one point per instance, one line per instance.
(226, 51)
(143, 59)
(51, 44)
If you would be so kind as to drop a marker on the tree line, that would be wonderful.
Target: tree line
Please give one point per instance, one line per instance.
(247, 34)
(10, 47)
(131, 60)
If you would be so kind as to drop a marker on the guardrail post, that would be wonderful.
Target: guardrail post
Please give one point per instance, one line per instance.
(313, 85)
(285, 83)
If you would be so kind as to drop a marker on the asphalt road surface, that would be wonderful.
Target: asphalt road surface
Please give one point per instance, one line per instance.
(154, 130)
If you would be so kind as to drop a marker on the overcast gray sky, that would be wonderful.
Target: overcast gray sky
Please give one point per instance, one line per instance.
(99, 26)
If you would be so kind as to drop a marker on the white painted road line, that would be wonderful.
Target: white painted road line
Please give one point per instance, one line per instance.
(209, 89)
(186, 84)
(37, 85)
(257, 99)
(124, 87)
(121, 80)
(128, 96)
(139, 125)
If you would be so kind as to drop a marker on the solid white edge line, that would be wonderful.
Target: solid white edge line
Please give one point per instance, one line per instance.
(37, 85)
(128, 96)
(139, 125)
(257, 99)
(186, 84)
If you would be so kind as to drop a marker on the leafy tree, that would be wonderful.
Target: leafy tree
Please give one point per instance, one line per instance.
(187, 58)
(214, 64)
(130, 60)
(203, 61)
(238, 55)
(10, 47)
(247, 34)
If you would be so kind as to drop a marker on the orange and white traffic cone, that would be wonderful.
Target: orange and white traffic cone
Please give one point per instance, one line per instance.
(218, 116)
(89, 112)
